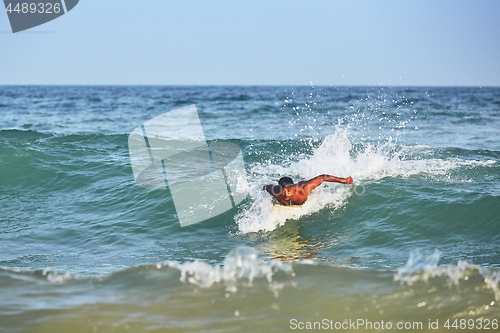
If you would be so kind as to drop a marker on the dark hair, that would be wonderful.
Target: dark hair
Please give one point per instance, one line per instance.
(285, 182)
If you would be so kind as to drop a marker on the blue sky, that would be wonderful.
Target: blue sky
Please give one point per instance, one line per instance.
(274, 42)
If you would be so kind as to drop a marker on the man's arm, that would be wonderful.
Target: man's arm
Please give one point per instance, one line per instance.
(309, 185)
(329, 178)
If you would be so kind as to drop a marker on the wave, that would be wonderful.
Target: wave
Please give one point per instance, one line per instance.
(247, 289)
(243, 265)
(367, 163)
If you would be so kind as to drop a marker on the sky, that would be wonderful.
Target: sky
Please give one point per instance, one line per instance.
(273, 42)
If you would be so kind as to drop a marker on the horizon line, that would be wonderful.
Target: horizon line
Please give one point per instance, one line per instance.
(245, 85)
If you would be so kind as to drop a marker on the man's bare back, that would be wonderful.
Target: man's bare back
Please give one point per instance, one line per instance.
(287, 193)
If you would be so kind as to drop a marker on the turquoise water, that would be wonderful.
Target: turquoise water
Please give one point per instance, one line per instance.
(415, 239)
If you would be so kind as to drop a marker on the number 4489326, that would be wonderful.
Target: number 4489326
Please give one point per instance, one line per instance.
(484, 324)
(41, 8)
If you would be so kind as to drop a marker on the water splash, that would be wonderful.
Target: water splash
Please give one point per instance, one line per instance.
(422, 268)
(241, 266)
(418, 263)
(338, 155)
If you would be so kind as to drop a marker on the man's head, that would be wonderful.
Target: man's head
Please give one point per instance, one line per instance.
(285, 182)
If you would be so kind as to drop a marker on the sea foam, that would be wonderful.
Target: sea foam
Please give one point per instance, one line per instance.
(240, 267)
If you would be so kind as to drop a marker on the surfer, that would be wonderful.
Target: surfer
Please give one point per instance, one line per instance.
(287, 193)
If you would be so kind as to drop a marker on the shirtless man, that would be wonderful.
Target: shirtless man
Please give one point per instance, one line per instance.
(287, 193)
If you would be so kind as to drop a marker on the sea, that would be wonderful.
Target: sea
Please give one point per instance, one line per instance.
(412, 245)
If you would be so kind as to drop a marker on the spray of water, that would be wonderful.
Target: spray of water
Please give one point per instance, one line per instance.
(366, 162)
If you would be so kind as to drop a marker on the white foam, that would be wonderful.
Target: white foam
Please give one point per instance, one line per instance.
(54, 277)
(241, 266)
(261, 217)
(422, 268)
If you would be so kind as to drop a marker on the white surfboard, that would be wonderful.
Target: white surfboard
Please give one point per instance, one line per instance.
(281, 208)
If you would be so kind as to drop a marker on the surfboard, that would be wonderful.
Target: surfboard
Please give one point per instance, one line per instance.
(280, 208)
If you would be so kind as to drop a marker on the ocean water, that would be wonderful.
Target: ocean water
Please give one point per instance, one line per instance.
(413, 244)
